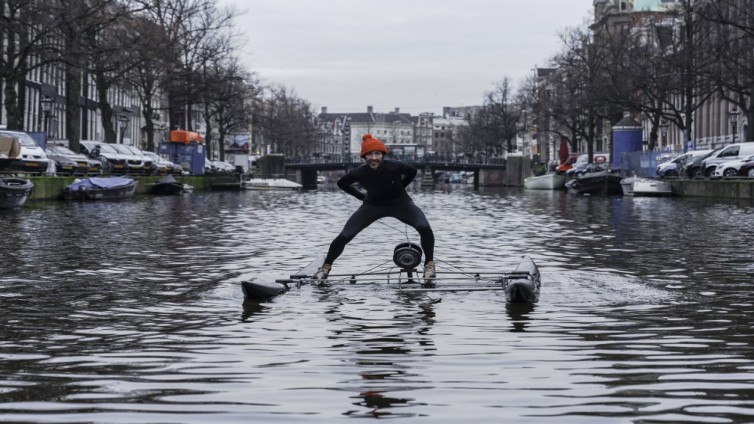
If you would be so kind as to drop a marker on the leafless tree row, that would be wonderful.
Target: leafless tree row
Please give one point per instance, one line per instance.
(184, 50)
(664, 66)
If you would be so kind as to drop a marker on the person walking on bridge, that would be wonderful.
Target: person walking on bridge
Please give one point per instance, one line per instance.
(385, 182)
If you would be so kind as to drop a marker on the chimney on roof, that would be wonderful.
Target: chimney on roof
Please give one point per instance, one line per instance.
(324, 110)
(397, 110)
(369, 109)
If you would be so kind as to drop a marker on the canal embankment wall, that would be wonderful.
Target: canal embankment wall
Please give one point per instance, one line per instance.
(49, 188)
(722, 188)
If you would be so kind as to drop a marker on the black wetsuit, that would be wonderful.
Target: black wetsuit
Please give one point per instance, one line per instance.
(385, 196)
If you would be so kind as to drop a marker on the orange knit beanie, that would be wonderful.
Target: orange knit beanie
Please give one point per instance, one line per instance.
(371, 144)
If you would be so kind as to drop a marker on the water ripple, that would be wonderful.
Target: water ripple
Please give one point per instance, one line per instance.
(132, 312)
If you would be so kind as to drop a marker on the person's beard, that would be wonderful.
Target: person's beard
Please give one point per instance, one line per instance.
(374, 163)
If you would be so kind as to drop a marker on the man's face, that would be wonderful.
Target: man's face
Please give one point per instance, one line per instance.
(374, 159)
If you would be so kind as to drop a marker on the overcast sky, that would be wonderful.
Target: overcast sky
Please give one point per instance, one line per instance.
(417, 55)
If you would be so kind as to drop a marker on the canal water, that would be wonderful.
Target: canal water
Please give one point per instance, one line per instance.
(132, 312)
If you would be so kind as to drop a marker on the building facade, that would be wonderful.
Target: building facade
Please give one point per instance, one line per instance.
(403, 134)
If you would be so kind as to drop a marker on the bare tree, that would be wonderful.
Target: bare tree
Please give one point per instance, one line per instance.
(109, 47)
(80, 23)
(286, 122)
(654, 63)
(26, 31)
(233, 107)
(689, 59)
(504, 115)
(526, 99)
(188, 27)
(227, 97)
(214, 63)
(152, 56)
(493, 129)
(536, 97)
(577, 101)
(731, 23)
(476, 137)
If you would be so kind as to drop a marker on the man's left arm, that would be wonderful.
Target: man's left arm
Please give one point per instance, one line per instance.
(408, 172)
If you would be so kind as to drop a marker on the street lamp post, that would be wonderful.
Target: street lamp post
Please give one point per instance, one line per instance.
(163, 133)
(123, 121)
(45, 103)
(345, 131)
(733, 115)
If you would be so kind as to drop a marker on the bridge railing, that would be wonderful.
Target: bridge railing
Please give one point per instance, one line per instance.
(416, 160)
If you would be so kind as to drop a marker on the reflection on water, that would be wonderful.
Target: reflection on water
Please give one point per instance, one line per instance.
(518, 315)
(132, 312)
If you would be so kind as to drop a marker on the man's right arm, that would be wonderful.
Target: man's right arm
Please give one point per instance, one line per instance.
(346, 183)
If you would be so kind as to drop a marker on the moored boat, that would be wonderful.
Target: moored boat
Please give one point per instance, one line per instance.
(14, 192)
(627, 185)
(270, 184)
(545, 182)
(636, 186)
(168, 185)
(605, 183)
(100, 188)
(652, 187)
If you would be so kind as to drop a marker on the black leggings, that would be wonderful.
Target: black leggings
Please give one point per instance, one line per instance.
(406, 212)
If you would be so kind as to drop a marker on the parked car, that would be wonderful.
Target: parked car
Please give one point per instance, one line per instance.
(112, 160)
(161, 166)
(137, 162)
(693, 166)
(32, 158)
(746, 170)
(210, 167)
(224, 166)
(584, 168)
(672, 167)
(581, 161)
(727, 153)
(731, 168)
(69, 162)
(217, 166)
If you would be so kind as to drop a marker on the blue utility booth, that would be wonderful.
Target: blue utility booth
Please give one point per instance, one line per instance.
(627, 137)
(185, 149)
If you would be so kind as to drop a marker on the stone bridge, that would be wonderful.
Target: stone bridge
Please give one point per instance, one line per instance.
(487, 172)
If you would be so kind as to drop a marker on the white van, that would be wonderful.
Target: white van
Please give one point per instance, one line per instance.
(32, 157)
(730, 152)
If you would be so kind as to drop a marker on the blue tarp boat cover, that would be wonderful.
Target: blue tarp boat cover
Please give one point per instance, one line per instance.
(96, 183)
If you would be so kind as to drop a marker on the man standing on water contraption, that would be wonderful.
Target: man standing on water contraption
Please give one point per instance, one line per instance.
(385, 182)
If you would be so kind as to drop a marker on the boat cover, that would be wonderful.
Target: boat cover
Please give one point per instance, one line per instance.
(9, 147)
(168, 179)
(272, 183)
(96, 183)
